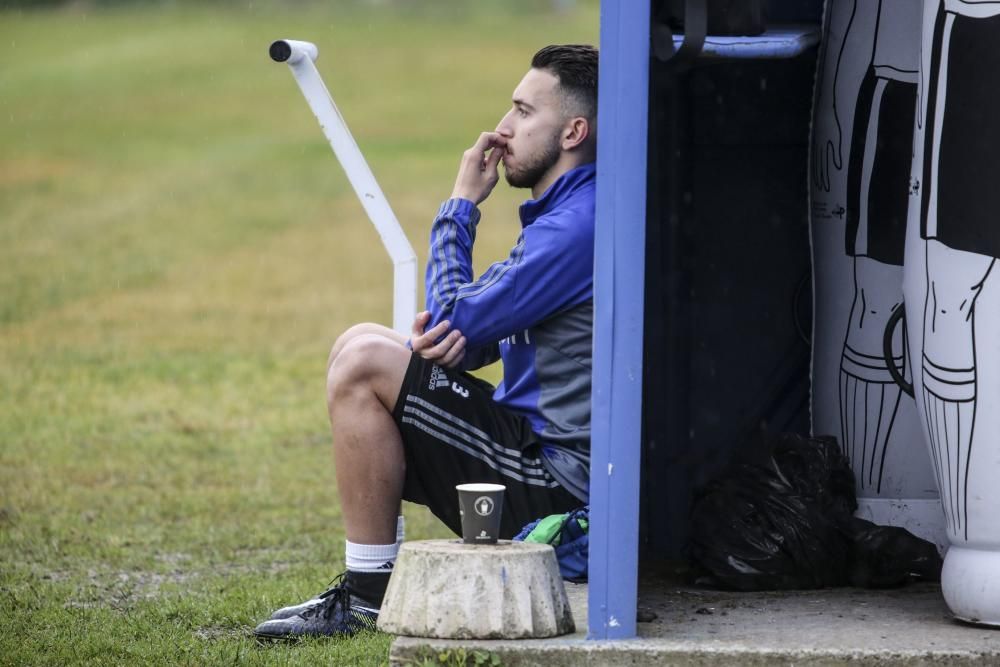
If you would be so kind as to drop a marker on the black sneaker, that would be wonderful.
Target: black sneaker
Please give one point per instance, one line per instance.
(336, 613)
(295, 609)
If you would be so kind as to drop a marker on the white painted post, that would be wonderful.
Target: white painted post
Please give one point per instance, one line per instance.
(300, 57)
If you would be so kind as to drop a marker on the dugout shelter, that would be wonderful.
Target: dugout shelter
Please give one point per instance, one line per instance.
(702, 278)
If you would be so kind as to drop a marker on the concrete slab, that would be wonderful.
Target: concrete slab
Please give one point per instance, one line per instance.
(906, 626)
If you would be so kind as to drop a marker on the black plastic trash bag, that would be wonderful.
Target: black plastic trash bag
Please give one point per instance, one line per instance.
(888, 556)
(773, 519)
(781, 517)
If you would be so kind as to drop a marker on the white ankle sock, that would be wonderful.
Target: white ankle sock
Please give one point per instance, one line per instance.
(371, 557)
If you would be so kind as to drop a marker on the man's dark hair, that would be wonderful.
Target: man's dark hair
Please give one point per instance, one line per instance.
(575, 65)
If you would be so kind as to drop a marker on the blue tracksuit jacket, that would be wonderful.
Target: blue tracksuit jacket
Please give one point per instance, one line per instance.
(534, 310)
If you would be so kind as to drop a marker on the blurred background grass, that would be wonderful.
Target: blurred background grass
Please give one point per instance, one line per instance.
(178, 250)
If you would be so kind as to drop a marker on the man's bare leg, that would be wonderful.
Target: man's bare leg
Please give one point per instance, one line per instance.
(363, 384)
(369, 328)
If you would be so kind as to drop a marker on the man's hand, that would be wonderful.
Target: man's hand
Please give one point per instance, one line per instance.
(448, 353)
(477, 173)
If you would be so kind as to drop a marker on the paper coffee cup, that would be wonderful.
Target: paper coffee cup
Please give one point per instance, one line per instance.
(480, 506)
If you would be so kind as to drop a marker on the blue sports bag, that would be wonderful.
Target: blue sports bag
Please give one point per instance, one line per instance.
(569, 536)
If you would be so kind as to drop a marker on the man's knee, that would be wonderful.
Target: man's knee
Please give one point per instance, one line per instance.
(356, 331)
(344, 339)
(367, 362)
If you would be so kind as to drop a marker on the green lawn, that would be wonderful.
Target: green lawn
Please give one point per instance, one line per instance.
(178, 250)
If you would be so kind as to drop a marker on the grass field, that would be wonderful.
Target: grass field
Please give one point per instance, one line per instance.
(178, 250)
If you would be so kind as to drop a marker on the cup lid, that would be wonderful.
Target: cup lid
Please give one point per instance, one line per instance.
(481, 487)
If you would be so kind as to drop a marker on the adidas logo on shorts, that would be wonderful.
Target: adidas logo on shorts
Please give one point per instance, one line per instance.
(438, 378)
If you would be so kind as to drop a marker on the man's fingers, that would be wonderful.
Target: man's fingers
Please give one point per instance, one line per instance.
(455, 354)
(426, 340)
(419, 322)
(427, 349)
(485, 140)
(457, 360)
(493, 159)
(439, 329)
(477, 172)
(448, 352)
(440, 350)
(488, 140)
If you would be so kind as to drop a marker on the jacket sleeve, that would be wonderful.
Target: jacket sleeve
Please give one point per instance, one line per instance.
(479, 357)
(548, 270)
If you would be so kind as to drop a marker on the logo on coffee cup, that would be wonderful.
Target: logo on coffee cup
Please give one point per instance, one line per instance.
(483, 505)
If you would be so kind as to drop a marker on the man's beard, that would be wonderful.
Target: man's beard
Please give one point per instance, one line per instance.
(528, 174)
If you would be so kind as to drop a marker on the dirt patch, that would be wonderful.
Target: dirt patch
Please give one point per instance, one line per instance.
(213, 633)
(120, 590)
(173, 558)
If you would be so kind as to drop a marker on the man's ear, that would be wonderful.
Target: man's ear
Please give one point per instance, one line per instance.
(575, 133)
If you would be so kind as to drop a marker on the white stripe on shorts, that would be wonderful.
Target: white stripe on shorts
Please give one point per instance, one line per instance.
(504, 461)
(479, 455)
(535, 475)
(461, 423)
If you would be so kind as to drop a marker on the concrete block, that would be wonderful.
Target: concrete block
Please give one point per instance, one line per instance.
(451, 590)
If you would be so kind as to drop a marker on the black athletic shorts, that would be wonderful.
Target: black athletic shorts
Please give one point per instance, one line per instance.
(877, 201)
(961, 164)
(455, 433)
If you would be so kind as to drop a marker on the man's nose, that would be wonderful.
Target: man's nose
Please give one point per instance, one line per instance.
(503, 128)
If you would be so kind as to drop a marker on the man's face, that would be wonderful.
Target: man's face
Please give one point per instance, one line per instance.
(532, 127)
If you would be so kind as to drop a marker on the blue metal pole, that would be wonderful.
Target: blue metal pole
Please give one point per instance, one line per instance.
(619, 275)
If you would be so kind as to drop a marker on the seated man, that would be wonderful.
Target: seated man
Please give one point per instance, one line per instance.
(411, 425)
